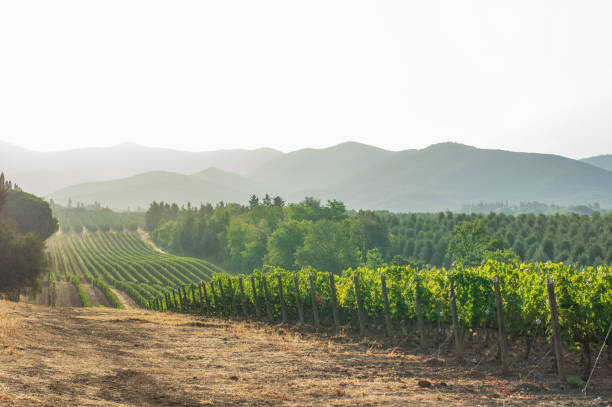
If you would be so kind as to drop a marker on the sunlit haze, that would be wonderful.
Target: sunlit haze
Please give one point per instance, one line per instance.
(193, 75)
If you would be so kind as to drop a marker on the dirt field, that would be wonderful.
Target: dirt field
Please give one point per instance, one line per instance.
(106, 357)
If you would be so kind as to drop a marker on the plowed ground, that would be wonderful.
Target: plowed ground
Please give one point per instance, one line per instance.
(107, 357)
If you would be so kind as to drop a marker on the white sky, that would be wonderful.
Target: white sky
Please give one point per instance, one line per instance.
(203, 75)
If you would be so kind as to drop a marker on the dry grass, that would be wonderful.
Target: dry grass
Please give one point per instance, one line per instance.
(107, 357)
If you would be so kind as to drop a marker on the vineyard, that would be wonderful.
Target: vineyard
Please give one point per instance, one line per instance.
(120, 260)
(429, 306)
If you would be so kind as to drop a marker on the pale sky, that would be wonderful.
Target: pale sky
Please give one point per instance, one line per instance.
(205, 75)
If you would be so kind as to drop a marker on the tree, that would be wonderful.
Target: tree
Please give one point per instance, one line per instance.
(374, 259)
(267, 200)
(253, 201)
(22, 258)
(328, 246)
(278, 201)
(370, 230)
(284, 243)
(29, 213)
(469, 243)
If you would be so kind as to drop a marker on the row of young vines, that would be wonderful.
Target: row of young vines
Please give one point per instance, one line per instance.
(401, 299)
(121, 260)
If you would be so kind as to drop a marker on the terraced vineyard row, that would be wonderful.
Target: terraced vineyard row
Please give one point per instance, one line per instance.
(124, 261)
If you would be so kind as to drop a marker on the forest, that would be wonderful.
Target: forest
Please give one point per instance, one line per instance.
(329, 237)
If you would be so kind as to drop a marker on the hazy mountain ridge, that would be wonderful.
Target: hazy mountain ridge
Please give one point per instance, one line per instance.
(601, 161)
(44, 172)
(440, 177)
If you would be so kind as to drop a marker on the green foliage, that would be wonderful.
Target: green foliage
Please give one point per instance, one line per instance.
(76, 281)
(328, 246)
(95, 217)
(108, 293)
(469, 243)
(241, 239)
(22, 259)
(584, 296)
(30, 213)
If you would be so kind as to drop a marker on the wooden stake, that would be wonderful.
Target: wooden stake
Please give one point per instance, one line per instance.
(218, 308)
(206, 299)
(334, 302)
(193, 298)
(242, 299)
(298, 299)
(360, 310)
(223, 299)
(554, 322)
(232, 296)
(313, 298)
(267, 298)
(456, 328)
(383, 283)
(282, 299)
(201, 298)
(255, 300)
(420, 323)
(500, 327)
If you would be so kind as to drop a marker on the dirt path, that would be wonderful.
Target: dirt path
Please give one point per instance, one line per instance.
(147, 239)
(125, 299)
(101, 297)
(107, 357)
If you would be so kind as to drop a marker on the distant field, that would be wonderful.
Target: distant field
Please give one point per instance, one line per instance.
(104, 266)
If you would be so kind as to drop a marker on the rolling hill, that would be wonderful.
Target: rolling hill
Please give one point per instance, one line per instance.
(601, 161)
(441, 177)
(44, 172)
(212, 185)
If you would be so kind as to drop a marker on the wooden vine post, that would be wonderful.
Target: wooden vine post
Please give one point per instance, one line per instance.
(175, 300)
(184, 301)
(167, 297)
(298, 299)
(202, 305)
(383, 283)
(360, 310)
(206, 299)
(243, 303)
(554, 322)
(419, 311)
(334, 302)
(193, 297)
(255, 300)
(500, 327)
(456, 328)
(313, 299)
(282, 299)
(218, 310)
(222, 296)
(232, 296)
(267, 298)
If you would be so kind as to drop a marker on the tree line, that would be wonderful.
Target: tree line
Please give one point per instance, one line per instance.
(329, 237)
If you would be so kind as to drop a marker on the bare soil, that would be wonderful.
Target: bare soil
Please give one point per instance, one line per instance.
(106, 357)
(144, 235)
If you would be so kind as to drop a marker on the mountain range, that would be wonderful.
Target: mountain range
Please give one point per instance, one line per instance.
(440, 177)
